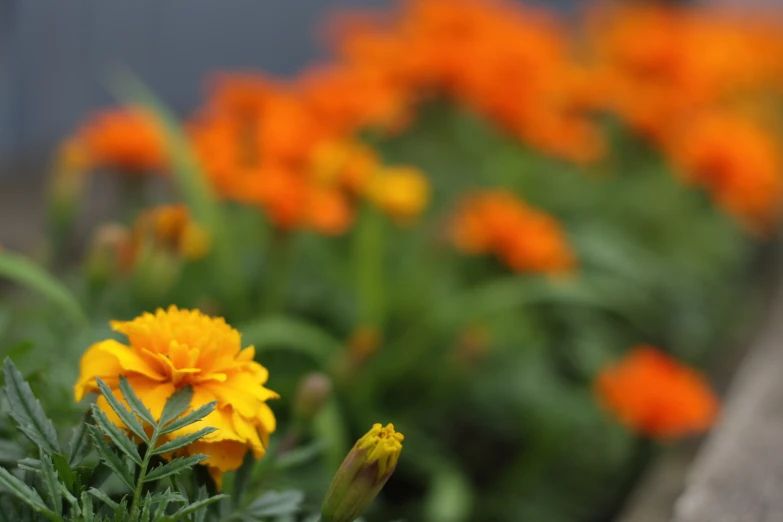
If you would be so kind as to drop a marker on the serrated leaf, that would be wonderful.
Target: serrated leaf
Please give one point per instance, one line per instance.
(64, 471)
(110, 458)
(79, 446)
(73, 501)
(201, 516)
(194, 507)
(164, 499)
(127, 418)
(190, 418)
(181, 442)
(25, 409)
(173, 467)
(103, 497)
(30, 464)
(177, 404)
(121, 514)
(135, 403)
(52, 483)
(21, 491)
(276, 503)
(145, 508)
(121, 441)
(87, 509)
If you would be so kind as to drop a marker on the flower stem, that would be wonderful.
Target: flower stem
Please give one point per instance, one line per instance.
(145, 464)
(277, 272)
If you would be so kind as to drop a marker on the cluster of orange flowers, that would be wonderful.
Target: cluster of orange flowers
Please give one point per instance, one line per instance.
(289, 148)
(695, 83)
(654, 395)
(700, 85)
(526, 239)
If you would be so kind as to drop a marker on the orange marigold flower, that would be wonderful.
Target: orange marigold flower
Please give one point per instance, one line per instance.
(350, 98)
(737, 161)
(175, 348)
(240, 94)
(327, 211)
(526, 239)
(651, 393)
(127, 139)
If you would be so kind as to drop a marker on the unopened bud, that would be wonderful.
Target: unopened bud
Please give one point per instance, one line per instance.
(108, 253)
(362, 475)
(313, 392)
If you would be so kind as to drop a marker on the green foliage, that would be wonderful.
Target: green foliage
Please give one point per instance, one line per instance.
(147, 495)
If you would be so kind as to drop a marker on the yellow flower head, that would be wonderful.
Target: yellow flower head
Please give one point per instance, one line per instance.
(402, 192)
(362, 475)
(175, 348)
(383, 445)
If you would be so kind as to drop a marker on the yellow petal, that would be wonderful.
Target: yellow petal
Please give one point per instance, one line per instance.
(130, 360)
(223, 455)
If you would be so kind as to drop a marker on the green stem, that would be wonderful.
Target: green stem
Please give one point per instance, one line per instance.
(278, 271)
(145, 464)
(368, 254)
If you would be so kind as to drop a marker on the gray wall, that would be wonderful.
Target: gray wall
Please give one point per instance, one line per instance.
(54, 54)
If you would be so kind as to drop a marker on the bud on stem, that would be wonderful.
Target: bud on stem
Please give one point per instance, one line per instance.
(362, 475)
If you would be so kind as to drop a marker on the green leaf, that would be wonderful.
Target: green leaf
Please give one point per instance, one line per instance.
(177, 404)
(103, 497)
(242, 479)
(300, 456)
(10, 452)
(201, 516)
(173, 467)
(25, 272)
(275, 504)
(87, 509)
(30, 464)
(27, 411)
(121, 441)
(21, 491)
(275, 333)
(135, 403)
(450, 496)
(194, 507)
(110, 458)
(164, 499)
(329, 426)
(146, 507)
(52, 483)
(181, 442)
(8, 511)
(127, 417)
(66, 474)
(79, 446)
(190, 418)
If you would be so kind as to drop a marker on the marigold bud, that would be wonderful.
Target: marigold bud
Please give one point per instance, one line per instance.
(108, 253)
(362, 475)
(313, 392)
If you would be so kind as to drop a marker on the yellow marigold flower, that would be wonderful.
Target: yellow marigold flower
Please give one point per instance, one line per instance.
(175, 348)
(402, 192)
(347, 164)
(362, 475)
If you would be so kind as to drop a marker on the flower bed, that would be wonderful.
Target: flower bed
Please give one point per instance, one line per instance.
(515, 240)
